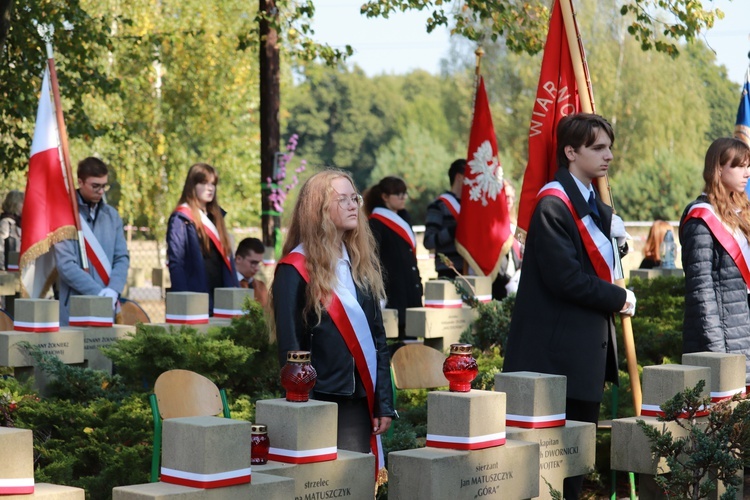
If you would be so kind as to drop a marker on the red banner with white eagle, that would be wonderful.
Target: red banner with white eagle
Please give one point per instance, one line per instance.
(483, 234)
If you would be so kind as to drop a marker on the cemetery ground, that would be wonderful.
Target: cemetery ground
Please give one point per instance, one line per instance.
(93, 430)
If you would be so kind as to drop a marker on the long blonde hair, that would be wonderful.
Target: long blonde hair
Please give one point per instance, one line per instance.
(312, 227)
(201, 173)
(732, 208)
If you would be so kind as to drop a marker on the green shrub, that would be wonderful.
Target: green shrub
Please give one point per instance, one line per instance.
(657, 324)
(712, 450)
(492, 325)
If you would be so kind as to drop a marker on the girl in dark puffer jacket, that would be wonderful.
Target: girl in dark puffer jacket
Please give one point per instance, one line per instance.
(714, 232)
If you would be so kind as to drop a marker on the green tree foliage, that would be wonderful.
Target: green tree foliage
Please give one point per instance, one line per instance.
(421, 161)
(523, 24)
(342, 117)
(80, 40)
(658, 188)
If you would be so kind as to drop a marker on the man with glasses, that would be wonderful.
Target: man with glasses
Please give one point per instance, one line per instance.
(247, 260)
(106, 249)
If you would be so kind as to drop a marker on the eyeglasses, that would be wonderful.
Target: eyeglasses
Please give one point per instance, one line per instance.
(99, 187)
(344, 201)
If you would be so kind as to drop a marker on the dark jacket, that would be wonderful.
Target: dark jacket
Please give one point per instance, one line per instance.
(440, 234)
(717, 316)
(403, 285)
(337, 374)
(187, 270)
(563, 318)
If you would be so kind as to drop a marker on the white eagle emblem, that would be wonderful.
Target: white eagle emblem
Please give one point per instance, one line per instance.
(487, 175)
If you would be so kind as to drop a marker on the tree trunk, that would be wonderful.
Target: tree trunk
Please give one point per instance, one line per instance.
(269, 117)
(6, 9)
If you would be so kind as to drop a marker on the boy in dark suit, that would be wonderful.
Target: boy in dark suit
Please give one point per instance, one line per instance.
(563, 321)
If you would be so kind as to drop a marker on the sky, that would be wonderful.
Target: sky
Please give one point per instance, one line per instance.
(401, 43)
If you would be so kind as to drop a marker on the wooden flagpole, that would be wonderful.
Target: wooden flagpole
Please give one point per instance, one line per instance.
(583, 81)
(63, 137)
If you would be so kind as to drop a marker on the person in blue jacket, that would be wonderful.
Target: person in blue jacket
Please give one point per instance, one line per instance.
(107, 252)
(199, 254)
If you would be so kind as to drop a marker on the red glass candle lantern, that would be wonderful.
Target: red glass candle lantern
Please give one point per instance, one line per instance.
(298, 376)
(460, 368)
(260, 444)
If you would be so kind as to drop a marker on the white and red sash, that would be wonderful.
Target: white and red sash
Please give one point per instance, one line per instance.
(351, 322)
(211, 231)
(397, 224)
(95, 253)
(598, 247)
(453, 205)
(648, 410)
(735, 244)
(535, 421)
(205, 481)
(17, 486)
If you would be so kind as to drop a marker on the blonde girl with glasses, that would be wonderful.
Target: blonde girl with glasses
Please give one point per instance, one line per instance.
(385, 204)
(325, 299)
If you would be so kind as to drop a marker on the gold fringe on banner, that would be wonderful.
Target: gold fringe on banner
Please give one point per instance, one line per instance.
(41, 247)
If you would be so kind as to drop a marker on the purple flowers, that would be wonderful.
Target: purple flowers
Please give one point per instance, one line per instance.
(279, 188)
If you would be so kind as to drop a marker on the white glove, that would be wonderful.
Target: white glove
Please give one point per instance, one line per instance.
(108, 292)
(617, 230)
(629, 308)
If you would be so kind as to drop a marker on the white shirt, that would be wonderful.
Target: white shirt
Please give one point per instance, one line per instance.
(344, 272)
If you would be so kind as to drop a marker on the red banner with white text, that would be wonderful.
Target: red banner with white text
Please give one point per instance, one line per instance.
(556, 97)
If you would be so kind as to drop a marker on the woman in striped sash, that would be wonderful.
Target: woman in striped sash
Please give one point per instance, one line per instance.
(714, 232)
(199, 253)
(390, 223)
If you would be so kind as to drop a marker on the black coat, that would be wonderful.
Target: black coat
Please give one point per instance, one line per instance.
(563, 318)
(717, 316)
(337, 374)
(403, 285)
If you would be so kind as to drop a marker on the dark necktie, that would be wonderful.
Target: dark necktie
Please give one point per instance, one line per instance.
(244, 283)
(594, 211)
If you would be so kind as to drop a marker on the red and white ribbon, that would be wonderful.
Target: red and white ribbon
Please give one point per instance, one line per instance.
(453, 205)
(187, 319)
(227, 313)
(13, 268)
(17, 486)
(535, 421)
(444, 303)
(211, 231)
(303, 456)
(655, 411)
(29, 326)
(96, 321)
(205, 481)
(735, 243)
(465, 442)
(598, 247)
(484, 298)
(397, 224)
(717, 396)
(95, 253)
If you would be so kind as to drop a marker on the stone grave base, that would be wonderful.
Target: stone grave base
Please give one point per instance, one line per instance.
(46, 491)
(500, 473)
(351, 475)
(263, 487)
